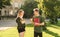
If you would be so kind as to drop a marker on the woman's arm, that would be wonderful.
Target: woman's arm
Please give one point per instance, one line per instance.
(18, 21)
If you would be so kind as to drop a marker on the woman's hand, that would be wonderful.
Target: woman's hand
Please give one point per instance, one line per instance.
(23, 21)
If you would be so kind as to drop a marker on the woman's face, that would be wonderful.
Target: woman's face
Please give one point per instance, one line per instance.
(21, 13)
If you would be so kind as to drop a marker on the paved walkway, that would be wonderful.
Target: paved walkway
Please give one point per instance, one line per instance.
(5, 24)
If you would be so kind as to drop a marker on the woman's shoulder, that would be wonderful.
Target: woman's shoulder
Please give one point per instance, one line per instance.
(18, 18)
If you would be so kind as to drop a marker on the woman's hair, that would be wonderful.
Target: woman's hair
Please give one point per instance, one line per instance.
(19, 11)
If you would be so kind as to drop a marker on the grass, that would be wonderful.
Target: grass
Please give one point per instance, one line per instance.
(52, 31)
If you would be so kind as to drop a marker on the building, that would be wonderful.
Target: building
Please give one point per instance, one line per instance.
(11, 10)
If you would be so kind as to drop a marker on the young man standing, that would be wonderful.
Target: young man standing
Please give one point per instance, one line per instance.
(38, 22)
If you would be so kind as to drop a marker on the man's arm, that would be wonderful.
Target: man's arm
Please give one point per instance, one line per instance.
(42, 23)
(31, 21)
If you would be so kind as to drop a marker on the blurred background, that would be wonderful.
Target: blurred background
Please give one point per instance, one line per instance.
(49, 9)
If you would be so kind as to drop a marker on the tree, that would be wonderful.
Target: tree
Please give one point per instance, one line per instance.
(0, 4)
(4, 3)
(50, 6)
(28, 8)
(50, 9)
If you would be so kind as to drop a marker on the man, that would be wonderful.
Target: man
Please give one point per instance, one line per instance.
(38, 22)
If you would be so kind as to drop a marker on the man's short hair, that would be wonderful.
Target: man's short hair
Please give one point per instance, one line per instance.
(36, 9)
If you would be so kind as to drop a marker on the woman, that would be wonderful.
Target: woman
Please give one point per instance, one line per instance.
(21, 23)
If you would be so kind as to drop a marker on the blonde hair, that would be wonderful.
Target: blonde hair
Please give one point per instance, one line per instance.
(19, 11)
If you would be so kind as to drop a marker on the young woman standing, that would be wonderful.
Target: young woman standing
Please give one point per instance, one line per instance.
(21, 23)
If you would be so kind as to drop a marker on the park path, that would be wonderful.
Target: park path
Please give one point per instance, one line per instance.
(5, 24)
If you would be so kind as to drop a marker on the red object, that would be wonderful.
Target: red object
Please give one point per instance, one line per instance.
(36, 21)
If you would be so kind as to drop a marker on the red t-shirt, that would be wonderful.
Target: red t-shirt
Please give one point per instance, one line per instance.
(36, 21)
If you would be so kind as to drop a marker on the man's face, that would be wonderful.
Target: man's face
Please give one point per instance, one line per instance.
(35, 12)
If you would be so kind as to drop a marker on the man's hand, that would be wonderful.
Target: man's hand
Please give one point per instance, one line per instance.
(39, 24)
(31, 21)
(42, 23)
(23, 21)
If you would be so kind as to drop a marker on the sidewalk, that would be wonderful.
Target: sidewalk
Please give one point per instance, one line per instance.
(4, 28)
(5, 24)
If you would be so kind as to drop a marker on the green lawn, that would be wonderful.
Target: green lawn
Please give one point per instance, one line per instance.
(52, 31)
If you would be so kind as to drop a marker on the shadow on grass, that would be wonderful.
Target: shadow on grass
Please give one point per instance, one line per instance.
(47, 31)
(58, 24)
(52, 33)
(29, 25)
(53, 25)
